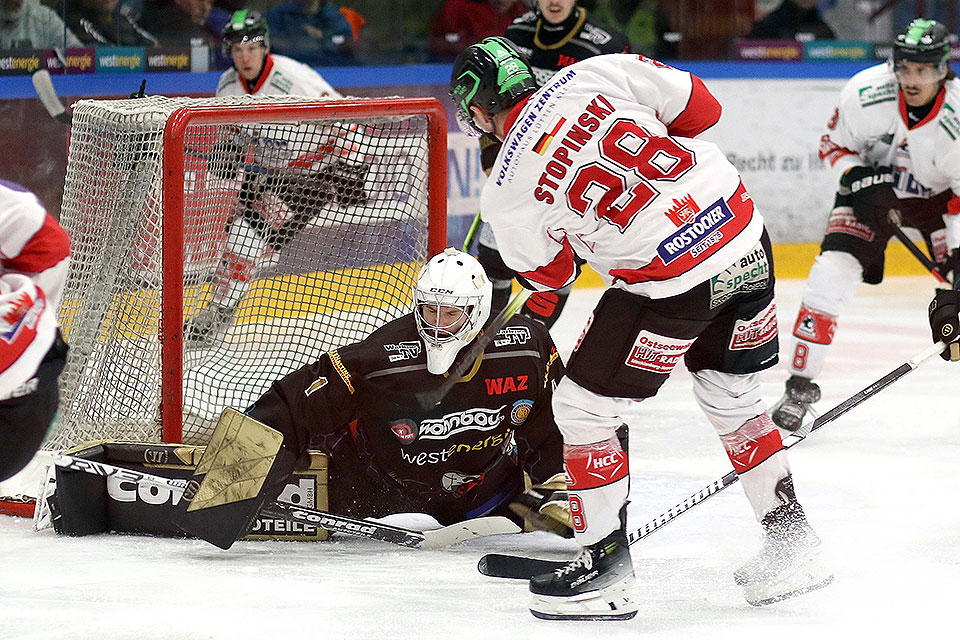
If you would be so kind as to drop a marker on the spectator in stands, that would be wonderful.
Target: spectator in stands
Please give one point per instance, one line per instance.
(793, 19)
(312, 31)
(460, 23)
(177, 22)
(27, 24)
(107, 22)
(643, 22)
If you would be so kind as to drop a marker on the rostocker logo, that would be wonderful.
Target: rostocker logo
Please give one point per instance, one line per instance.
(696, 236)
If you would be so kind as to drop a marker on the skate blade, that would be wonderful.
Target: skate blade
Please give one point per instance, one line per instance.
(606, 604)
(806, 579)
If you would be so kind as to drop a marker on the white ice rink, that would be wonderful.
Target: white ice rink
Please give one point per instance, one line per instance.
(880, 485)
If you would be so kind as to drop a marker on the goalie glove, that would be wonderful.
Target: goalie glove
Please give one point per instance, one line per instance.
(545, 507)
(871, 193)
(944, 314)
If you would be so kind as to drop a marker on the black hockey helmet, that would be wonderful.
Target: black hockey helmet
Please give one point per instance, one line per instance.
(492, 74)
(245, 26)
(924, 41)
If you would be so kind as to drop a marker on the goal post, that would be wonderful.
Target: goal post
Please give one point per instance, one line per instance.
(339, 204)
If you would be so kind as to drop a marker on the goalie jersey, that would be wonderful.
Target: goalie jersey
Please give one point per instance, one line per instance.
(461, 459)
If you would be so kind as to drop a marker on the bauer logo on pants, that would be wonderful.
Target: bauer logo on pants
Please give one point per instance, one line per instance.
(656, 353)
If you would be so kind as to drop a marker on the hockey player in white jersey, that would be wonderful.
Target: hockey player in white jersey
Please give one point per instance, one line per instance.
(895, 140)
(267, 221)
(34, 254)
(603, 163)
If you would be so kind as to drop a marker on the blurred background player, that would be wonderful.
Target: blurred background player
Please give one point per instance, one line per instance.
(490, 447)
(554, 35)
(666, 221)
(279, 195)
(898, 147)
(34, 254)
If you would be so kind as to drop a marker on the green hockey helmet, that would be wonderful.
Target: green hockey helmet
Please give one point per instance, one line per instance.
(924, 41)
(492, 74)
(245, 26)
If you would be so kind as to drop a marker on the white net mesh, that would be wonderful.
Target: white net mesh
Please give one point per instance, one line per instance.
(297, 237)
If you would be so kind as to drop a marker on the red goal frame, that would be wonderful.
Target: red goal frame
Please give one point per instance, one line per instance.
(173, 198)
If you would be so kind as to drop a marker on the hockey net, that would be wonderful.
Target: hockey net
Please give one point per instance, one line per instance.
(347, 199)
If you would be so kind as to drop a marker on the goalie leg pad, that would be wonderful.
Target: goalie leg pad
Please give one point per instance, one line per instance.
(243, 467)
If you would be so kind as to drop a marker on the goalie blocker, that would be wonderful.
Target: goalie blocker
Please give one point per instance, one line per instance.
(82, 504)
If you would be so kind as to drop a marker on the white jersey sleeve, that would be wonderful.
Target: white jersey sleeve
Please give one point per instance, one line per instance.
(866, 108)
(589, 168)
(33, 264)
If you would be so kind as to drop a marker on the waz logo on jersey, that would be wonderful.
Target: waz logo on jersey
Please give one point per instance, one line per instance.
(696, 236)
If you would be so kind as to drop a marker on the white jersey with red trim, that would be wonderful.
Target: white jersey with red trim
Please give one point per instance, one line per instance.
(870, 126)
(33, 266)
(282, 76)
(602, 162)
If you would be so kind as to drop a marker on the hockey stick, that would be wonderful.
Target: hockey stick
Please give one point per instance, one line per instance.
(895, 219)
(508, 566)
(472, 233)
(43, 85)
(430, 399)
(430, 539)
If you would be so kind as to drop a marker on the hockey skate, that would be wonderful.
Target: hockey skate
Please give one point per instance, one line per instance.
(201, 330)
(788, 564)
(596, 585)
(789, 412)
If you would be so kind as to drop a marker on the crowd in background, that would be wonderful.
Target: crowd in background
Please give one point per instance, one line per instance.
(330, 33)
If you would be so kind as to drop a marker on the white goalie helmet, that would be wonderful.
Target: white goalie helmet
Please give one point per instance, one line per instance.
(452, 299)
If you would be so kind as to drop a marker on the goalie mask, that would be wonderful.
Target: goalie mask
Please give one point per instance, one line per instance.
(245, 26)
(493, 75)
(452, 303)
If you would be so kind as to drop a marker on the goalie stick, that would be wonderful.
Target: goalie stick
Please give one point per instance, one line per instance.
(429, 539)
(520, 567)
(43, 85)
(895, 219)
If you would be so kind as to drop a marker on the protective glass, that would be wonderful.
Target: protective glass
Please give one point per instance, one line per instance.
(918, 72)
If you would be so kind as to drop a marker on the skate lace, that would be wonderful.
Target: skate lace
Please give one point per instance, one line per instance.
(584, 560)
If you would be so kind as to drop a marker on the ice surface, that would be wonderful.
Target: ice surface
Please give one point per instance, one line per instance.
(879, 484)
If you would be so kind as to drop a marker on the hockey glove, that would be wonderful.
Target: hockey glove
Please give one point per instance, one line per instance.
(871, 193)
(950, 265)
(944, 313)
(545, 507)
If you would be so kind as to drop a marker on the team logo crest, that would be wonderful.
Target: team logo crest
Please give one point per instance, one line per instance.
(683, 211)
(405, 430)
(521, 411)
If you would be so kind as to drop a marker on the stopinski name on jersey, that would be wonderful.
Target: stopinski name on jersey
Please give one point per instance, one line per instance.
(536, 113)
(454, 423)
